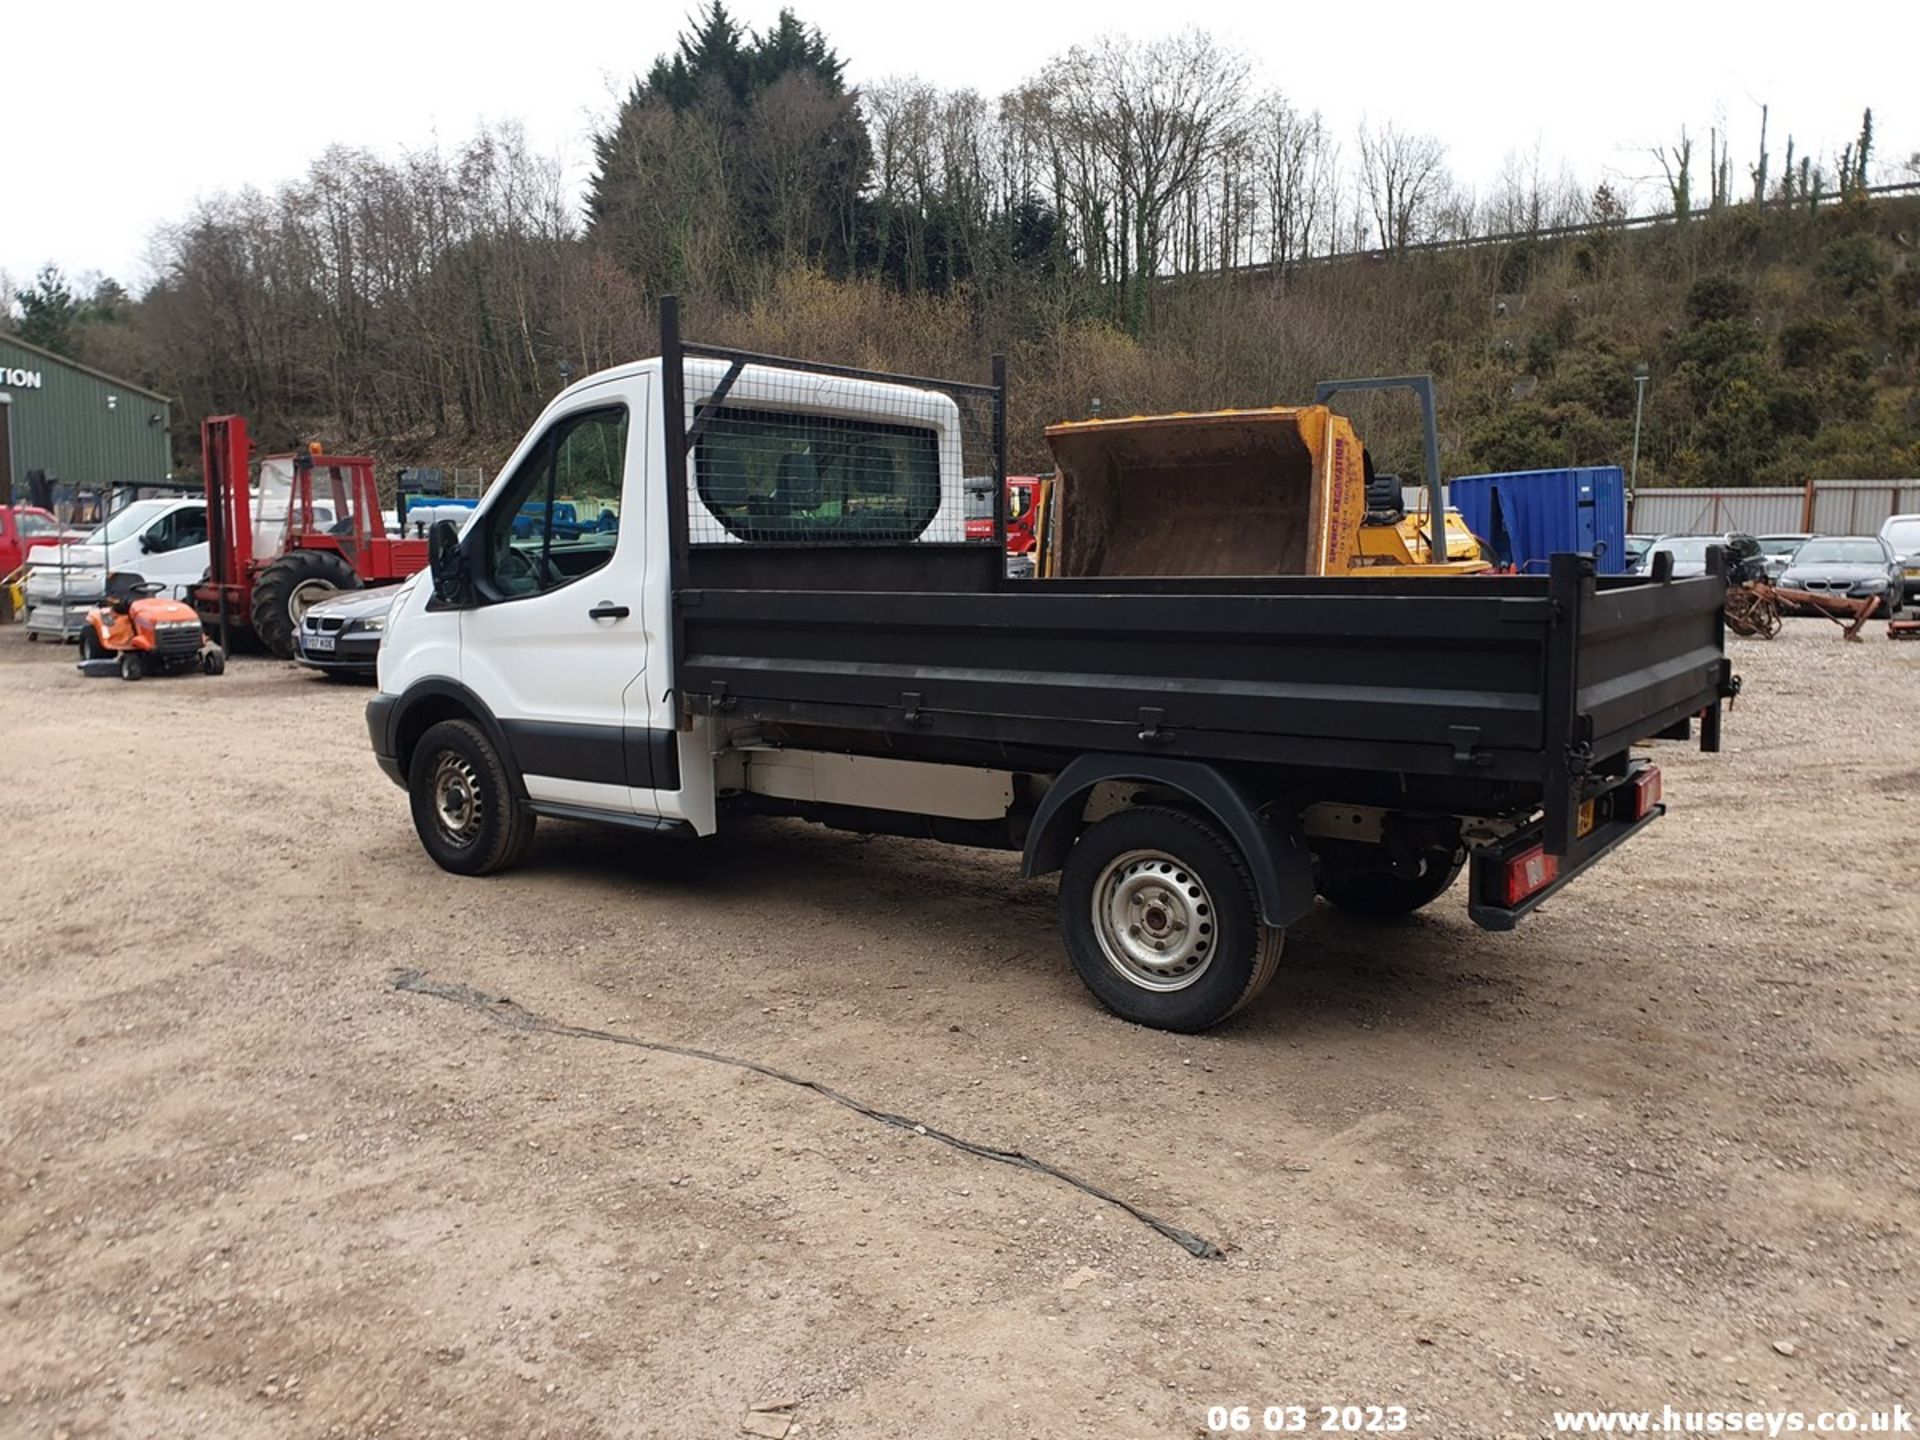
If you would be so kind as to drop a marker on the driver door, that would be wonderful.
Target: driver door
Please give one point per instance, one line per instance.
(173, 550)
(556, 635)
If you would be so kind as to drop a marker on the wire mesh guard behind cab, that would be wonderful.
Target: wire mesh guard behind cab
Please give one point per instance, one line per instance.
(791, 457)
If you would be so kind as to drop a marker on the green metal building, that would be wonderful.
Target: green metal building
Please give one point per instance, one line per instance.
(82, 428)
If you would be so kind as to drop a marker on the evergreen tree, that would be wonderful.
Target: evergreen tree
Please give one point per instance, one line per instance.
(792, 48)
(736, 148)
(713, 54)
(49, 314)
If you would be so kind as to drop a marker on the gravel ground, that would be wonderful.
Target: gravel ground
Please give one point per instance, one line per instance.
(1657, 1145)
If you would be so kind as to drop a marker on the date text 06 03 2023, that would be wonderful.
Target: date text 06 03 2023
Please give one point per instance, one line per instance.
(1306, 1419)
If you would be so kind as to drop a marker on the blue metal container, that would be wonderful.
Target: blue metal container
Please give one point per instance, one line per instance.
(1528, 515)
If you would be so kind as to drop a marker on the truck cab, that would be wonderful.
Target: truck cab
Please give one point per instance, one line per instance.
(787, 617)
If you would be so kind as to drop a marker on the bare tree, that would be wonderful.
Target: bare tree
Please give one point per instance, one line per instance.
(1148, 120)
(1403, 176)
(1676, 163)
(1299, 171)
(1526, 201)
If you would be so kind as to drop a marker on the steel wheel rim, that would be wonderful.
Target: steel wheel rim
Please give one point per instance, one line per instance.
(457, 806)
(1154, 920)
(304, 596)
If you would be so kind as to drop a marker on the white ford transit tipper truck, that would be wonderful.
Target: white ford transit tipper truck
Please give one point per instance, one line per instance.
(777, 611)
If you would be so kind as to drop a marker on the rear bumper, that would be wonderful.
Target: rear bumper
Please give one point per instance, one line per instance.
(380, 714)
(1486, 876)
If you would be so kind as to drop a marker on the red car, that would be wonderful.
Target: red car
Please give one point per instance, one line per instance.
(21, 528)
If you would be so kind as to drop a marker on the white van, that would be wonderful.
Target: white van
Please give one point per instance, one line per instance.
(164, 540)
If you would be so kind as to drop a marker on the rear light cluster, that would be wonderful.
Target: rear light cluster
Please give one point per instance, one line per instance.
(1533, 870)
(1647, 790)
(1530, 872)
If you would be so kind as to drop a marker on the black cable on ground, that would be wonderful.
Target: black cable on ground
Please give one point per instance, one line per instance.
(503, 1011)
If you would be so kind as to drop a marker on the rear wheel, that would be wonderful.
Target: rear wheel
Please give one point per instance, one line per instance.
(1161, 920)
(90, 646)
(1369, 887)
(464, 808)
(287, 587)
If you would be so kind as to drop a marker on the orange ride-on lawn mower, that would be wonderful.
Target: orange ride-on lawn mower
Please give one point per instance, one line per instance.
(138, 632)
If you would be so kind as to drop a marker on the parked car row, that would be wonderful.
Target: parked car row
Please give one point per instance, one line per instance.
(1883, 567)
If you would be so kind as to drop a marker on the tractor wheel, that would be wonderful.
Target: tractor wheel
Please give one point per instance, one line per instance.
(90, 646)
(288, 586)
(213, 660)
(133, 665)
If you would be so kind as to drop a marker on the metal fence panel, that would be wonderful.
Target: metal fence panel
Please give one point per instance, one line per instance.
(1859, 507)
(1759, 510)
(1838, 507)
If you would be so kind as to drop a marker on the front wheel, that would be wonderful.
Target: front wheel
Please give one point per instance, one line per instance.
(1162, 923)
(464, 809)
(133, 665)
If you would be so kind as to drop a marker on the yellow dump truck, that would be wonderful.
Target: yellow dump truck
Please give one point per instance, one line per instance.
(1275, 491)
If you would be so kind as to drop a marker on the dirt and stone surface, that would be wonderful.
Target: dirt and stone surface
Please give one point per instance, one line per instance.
(1657, 1145)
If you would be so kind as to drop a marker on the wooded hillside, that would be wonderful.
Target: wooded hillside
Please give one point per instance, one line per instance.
(1140, 224)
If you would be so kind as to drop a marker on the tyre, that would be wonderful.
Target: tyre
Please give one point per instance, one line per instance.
(1161, 920)
(133, 665)
(464, 808)
(213, 660)
(1372, 890)
(90, 646)
(288, 586)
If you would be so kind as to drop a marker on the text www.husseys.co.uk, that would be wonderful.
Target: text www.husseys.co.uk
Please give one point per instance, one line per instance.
(1670, 1420)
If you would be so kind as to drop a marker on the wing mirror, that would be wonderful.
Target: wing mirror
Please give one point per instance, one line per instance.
(448, 564)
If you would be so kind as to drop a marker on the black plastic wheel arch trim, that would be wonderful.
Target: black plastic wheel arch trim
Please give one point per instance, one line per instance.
(1275, 855)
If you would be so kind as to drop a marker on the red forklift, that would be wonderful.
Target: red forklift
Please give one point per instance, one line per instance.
(1022, 492)
(304, 527)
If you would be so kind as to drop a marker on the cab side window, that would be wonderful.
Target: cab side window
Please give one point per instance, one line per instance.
(557, 517)
(175, 531)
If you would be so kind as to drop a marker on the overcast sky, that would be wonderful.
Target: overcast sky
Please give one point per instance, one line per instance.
(115, 122)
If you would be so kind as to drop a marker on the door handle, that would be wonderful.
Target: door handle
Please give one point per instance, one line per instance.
(607, 610)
